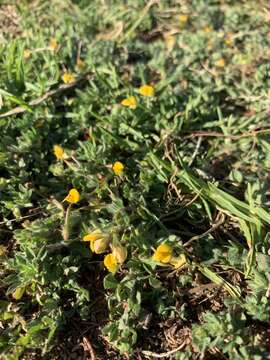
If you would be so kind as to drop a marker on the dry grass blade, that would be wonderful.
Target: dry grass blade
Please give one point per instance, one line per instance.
(218, 280)
(232, 137)
(139, 20)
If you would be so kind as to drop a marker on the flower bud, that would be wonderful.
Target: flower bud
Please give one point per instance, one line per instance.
(100, 246)
(120, 253)
(179, 261)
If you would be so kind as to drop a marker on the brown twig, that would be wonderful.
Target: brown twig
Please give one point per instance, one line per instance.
(232, 137)
(44, 97)
(89, 348)
(21, 218)
(189, 203)
(209, 231)
(163, 355)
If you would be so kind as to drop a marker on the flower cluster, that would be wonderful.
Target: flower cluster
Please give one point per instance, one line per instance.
(144, 90)
(164, 254)
(100, 242)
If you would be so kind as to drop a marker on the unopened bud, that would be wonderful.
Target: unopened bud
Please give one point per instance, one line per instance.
(120, 253)
(99, 246)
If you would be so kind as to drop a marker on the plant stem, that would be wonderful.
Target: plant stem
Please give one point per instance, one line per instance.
(65, 231)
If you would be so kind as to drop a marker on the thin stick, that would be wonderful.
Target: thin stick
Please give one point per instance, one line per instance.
(213, 228)
(20, 218)
(87, 346)
(163, 355)
(44, 97)
(232, 137)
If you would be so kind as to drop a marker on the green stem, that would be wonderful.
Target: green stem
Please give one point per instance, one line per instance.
(65, 231)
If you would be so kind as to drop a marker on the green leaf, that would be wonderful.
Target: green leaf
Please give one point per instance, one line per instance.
(110, 282)
(16, 100)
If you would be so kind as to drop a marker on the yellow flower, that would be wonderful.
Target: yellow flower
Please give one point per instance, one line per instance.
(210, 45)
(68, 78)
(73, 196)
(26, 54)
(183, 19)
(110, 263)
(207, 29)
(228, 41)
(146, 90)
(220, 63)
(120, 253)
(130, 102)
(118, 168)
(58, 152)
(53, 44)
(179, 261)
(169, 41)
(163, 253)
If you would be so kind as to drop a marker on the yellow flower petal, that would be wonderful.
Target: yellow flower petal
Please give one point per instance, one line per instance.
(120, 253)
(53, 44)
(130, 102)
(183, 19)
(118, 168)
(68, 78)
(58, 152)
(207, 29)
(26, 54)
(179, 261)
(220, 63)
(73, 196)
(92, 237)
(163, 253)
(146, 90)
(92, 246)
(110, 263)
(169, 41)
(228, 41)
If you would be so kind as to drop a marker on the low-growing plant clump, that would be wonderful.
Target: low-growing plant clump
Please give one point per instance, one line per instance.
(134, 179)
